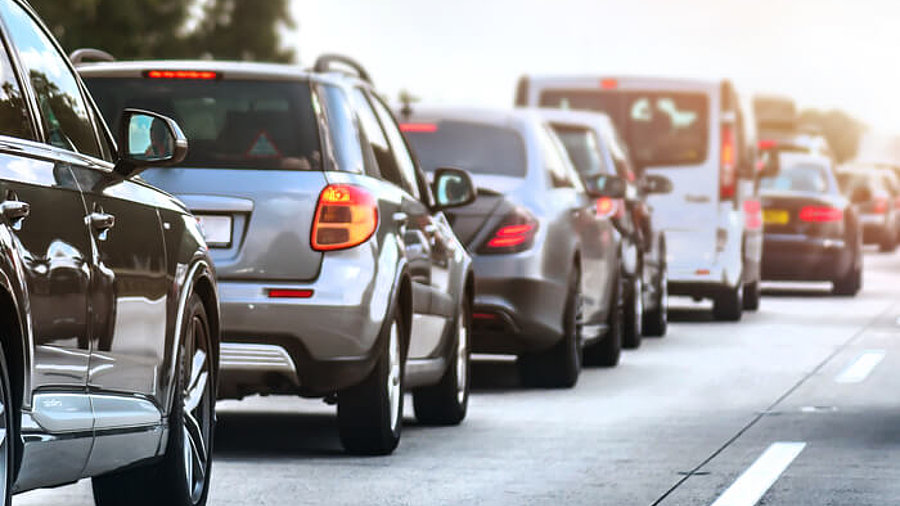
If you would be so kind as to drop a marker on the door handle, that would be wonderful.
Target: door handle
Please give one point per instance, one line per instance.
(697, 199)
(101, 222)
(15, 210)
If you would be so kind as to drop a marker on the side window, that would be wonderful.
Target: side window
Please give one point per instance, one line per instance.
(63, 110)
(378, 143)
(13, 111)
(343, 131)
(401, 151)
(557, 167)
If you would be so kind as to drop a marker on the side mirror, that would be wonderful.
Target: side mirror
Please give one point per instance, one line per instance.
(768, 164)
(860, 195)
(453, 188)
(146, 140)
(606, 186)
(657, 184)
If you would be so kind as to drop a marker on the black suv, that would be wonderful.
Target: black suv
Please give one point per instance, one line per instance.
(109, 335)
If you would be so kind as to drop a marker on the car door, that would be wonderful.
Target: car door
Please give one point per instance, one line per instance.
(44, 212)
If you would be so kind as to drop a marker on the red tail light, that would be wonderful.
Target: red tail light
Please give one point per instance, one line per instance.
(880, 205)
(514, 234)
(767, 144)
(284, 293)
(202, 75)
(728, 165)
(346, 216)
(609, 84)
(821, 214)
(418, 128)
(753, 214)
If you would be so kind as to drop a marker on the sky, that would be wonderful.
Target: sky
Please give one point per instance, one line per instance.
(824, 53)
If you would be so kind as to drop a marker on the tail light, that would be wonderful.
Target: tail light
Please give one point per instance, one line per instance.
(728, 165)
(610, 208)
(201, 75)
(346, 216)
(514, 234)
(753, 215)
(880, 205)
(821, 214)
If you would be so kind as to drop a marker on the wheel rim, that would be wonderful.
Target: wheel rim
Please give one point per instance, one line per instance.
(638, 305)
(197, 412)
(462, 358)
(393, 377)
(664, 296)
(4, 443)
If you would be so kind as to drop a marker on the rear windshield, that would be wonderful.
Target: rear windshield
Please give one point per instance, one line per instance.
(477, 148)
(582, 146)
(229, 124)
(799, 178)
(660, 128)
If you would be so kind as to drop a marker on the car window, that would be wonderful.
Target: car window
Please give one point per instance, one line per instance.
(554, 161)
(342, 128)
(378, 142)
(14, 120)
(477, 148)
(405, 164)
(799, 178)
(63, 110)
(583, 148)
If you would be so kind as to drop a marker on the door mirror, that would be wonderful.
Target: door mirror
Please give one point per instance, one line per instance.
(453, 188)
(657, 184)
(606, 186)
(861, 195)
(768, 164)
(146, 140)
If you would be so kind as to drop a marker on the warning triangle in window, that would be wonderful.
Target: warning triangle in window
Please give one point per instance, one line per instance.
(263, 147)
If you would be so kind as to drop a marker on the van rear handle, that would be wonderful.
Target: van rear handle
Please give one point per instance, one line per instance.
(695, 198)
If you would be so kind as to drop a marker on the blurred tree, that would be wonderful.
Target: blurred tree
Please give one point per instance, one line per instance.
(843, 131)
(245, 30)
(131, 29)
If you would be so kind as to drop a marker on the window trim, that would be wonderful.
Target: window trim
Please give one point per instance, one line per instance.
(374, 99)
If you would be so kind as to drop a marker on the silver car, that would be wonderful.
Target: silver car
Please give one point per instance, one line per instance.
(339, 275)
(546, 264)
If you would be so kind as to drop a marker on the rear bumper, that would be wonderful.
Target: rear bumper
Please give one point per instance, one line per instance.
(329, 337)
(788, 257)
(517, 308)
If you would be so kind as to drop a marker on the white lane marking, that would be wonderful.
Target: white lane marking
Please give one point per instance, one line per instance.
(860, 369)
(749, 488)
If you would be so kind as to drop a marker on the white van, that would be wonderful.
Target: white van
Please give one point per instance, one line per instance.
(701, 136)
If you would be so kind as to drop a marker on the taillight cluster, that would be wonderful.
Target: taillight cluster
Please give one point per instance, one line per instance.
(728, 164)
(346, 216)
(820, 214)
(514, 234)
(880, 205)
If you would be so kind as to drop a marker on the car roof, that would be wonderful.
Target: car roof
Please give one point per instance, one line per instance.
(589, 119)
(228, 70)
(624, 82)
(497, 116)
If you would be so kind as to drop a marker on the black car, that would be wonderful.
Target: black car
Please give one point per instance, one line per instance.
(110, 313)
(873, 191)
(811, 231)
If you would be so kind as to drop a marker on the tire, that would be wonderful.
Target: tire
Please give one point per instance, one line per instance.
(752, 296)
(634, 310)
(851, 282)
(7, 448)
(656, 317)
(607, 352)
(172, 480)
(370, 414)
(560, 366)
(446, 402)
(729, 305)
(888, 241)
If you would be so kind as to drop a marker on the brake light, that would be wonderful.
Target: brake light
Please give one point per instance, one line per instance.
(766, 144)
(821, 214)
(418, 128)
(202, 75)
(753, 215)
(346, 216)
(514, 234)
(606, 207)
(609, 84)
(728, 166)
(880, 205)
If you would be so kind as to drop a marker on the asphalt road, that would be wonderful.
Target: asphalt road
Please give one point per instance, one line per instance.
(799, 404)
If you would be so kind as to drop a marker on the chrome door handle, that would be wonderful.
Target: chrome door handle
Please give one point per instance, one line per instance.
(101, 222)
(14, 210)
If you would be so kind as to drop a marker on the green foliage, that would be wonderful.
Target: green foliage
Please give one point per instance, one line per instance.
(159, 29)
(843, 131)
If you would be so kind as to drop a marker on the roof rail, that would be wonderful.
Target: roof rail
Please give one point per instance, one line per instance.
(79, 56)
(323, 64)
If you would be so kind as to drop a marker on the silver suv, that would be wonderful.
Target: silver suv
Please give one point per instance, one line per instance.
(339, 275)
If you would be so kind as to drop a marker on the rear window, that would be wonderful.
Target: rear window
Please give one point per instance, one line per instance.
(229, 124)
(660, 128)
(583, 148)
(477, 148)
(799, 178)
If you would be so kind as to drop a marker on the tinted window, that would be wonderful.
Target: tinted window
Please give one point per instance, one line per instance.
(554, 161)
(13, 111)
(342, 129)
(583, 148)
(477, 148)
(64, 112)
(661, 128)
(379, 148)
(799, 178)
(230, 124)
(405, 164)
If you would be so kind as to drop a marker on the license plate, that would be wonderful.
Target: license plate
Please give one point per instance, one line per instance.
(776, 217)
(216, 230)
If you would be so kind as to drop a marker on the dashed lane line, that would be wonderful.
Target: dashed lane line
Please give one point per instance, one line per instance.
(751, 486)
(859, 369)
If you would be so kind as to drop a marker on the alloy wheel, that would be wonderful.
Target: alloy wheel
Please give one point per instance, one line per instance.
(393, 377)
(197, 409)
